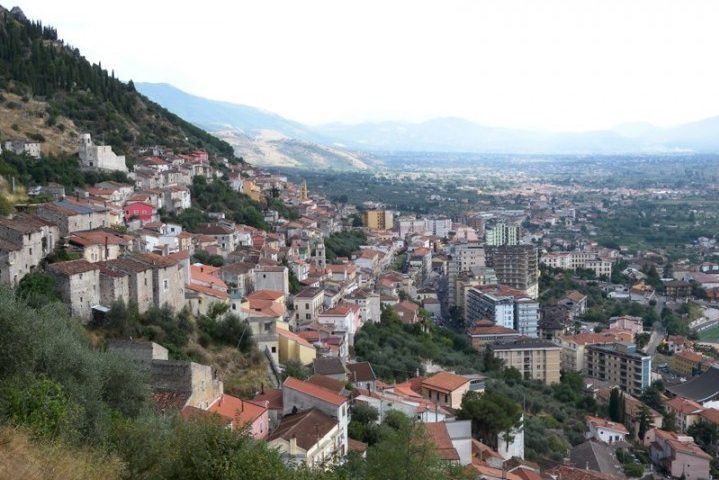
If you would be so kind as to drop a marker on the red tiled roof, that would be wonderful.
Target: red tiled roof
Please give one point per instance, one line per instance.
(295, 337)
(314, 391)
(440, 436)
(273, 295)
(326, 382)
(445, 382)
(271, 395)
(597, 422)
(240, 412)
(684, 406)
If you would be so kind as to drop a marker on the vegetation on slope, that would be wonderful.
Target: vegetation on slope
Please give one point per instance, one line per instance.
(35, 63)
(399, 351)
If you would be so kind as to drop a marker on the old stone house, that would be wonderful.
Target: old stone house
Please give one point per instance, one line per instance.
(78, 282)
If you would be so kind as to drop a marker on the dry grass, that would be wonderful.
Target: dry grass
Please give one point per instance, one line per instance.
(242, 375)
(30, 118)
(23, 459)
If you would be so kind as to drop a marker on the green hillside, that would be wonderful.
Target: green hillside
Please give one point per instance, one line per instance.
(58, 93)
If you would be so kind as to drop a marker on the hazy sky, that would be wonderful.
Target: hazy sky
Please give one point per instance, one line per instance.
(570, 64)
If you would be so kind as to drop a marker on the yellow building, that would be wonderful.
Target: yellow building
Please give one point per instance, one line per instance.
(295, 348)
(535, 359)
(688, 363)
(378, 219)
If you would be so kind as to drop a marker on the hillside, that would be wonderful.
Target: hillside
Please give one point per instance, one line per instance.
(49, 91)
(272, 149)
(260, 137)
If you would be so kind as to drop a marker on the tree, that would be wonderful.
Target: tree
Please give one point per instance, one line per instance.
(641, 339)
(38, 288)
(492, 414)
(405, 453)
(652, 396)
(669, 422)
(704, 433)
(616, 406)
(645, 422)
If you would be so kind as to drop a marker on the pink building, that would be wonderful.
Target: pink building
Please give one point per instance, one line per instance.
(632, 324)
(243, 414)
(141, 210)
(678, 455)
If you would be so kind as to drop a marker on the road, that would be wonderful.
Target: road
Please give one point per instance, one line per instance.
(658, 331)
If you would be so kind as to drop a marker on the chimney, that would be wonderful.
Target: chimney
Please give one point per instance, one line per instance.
(293, 445)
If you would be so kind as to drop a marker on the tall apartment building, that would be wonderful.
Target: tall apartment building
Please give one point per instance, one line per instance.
(502, 234)
(535, 359)
(504, 306)
(620, 364)
(463, 257)
(516, 266)
(378, 219)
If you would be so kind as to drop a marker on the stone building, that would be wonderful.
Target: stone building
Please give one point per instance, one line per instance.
(139, 278)
(168, 279)
(79, 284)
(114, 286)
(99, 156)
(25, 241)
(72, 216)
(270, 277)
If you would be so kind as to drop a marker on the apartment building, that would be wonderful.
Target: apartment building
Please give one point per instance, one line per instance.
(620, 364)
(516, 266)
(578, 259)
(378, 219)
(502, 234)
(505, 306)
(535, 359)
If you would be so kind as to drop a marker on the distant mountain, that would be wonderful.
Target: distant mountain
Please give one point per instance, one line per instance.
(260, 137)
(325, 146)
(214, 115)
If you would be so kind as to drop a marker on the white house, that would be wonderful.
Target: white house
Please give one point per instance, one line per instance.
(606, 431)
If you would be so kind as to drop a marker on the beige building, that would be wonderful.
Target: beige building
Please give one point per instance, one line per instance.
(535, 359)
(308, 305)
(378, 219)
(310, 438)
(446, 389)
(573, 350)
(79, 284)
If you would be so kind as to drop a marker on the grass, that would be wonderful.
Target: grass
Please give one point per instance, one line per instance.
(24, 459)
(710, 334)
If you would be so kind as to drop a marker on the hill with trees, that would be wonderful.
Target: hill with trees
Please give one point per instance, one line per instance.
(50, 92)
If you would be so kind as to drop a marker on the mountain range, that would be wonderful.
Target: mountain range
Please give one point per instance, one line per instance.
(270, 139)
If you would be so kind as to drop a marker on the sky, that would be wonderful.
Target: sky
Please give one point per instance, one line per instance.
(554, 65)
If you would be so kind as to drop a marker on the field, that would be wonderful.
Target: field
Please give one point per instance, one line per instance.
(710, 334)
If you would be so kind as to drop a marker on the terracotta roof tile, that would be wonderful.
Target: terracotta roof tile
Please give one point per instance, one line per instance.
(314, 391)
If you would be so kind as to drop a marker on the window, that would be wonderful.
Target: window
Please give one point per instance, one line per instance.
(164, 284)
(307, 306)
(274, 349)
(308, 316)
(145, 281)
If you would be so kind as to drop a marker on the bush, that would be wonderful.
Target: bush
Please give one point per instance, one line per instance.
(633, 470)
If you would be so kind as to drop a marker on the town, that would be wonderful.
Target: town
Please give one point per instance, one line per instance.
(195, 288)
(583, 319)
